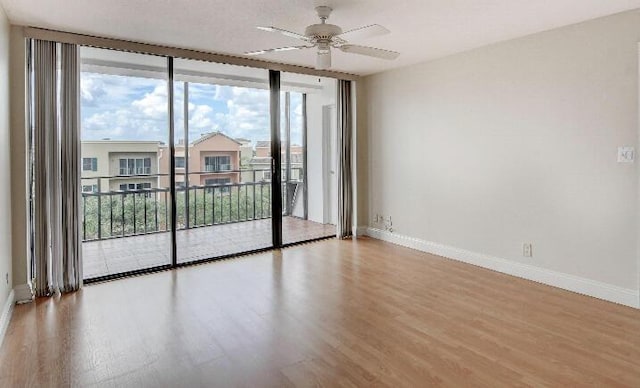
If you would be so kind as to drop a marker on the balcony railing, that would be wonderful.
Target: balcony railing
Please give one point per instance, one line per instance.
(113, 214)
(128, 213)
(135, 171)
(217, 167)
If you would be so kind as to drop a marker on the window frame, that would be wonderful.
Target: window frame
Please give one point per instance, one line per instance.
(134, 166)
(215, 165)
(93, 163)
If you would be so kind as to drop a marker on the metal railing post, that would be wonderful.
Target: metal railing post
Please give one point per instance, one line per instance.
(135, 220)
(110, 214)
(84, 216)
(99, 209)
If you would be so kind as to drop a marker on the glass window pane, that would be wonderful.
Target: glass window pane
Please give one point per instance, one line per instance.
(221, 112)
(124, 125)
(308, 200)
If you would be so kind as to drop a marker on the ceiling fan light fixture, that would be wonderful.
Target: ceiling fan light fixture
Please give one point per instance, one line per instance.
(323, 61)
(323, 48)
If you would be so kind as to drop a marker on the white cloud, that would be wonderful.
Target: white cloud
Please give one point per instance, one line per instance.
(247, 112)
(154, 104)
(121, 107)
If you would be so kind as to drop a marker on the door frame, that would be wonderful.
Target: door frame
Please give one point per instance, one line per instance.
(329, 176)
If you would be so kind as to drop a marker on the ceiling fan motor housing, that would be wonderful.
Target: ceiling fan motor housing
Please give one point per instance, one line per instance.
(322, 31)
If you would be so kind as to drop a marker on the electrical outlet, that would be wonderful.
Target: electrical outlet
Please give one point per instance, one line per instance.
(527, 250)
(6, 275)
(626, 154)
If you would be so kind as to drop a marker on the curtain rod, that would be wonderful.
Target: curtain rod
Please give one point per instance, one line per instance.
(154, 49)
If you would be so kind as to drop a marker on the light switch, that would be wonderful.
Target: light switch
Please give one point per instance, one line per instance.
(626, 154)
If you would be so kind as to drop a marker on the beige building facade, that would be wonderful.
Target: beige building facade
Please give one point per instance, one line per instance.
(119, 165)
(261, 161)
(214, 158)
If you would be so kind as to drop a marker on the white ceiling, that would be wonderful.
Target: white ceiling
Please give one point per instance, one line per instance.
(421, 30)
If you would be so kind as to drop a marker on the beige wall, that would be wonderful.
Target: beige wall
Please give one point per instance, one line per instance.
(5, 170)
(18, 138)
(362, 156)
(514, 143)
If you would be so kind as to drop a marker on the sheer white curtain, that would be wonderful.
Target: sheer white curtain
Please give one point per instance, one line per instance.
(345, 173)
(55, 91)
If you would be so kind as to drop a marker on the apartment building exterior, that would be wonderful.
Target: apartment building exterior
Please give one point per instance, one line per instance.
(261, 161)
(214, 159)
(246, 151)
(119, 165)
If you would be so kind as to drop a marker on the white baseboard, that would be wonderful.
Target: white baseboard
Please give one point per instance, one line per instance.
(23, 293)
(361, 231)
(7, 312)
(624, 296)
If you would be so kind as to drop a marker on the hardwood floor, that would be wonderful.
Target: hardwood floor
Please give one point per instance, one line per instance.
(331, 313)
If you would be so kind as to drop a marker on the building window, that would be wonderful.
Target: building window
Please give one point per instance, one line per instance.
(89, 188)
(135, 166)
(217, 163)
(89, 164)
(266, 176)
(136, 187)
(218, 182)
(179, 161)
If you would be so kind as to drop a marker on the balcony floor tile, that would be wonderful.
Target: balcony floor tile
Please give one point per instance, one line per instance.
(106, 257)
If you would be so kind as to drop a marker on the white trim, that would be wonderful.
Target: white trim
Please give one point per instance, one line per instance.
(5, 318)
(624, 296)
(23, 293)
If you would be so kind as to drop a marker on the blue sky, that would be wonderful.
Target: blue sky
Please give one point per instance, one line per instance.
(134, 108)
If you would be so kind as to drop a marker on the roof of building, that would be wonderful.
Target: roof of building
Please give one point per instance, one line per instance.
(109, 141)
(295, 158)
(213, 134)
(267, 143)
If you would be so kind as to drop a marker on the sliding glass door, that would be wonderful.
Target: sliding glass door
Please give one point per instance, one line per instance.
(124, 129)
(248, 162)
(224, 201)
(308, 153)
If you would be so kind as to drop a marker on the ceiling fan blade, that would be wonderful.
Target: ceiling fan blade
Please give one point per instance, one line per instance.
(323, 60)
(363, 32)
(285, 33)
(369, 51)
(289, 48)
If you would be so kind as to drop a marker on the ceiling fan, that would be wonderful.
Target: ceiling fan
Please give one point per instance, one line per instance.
(324, 36)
